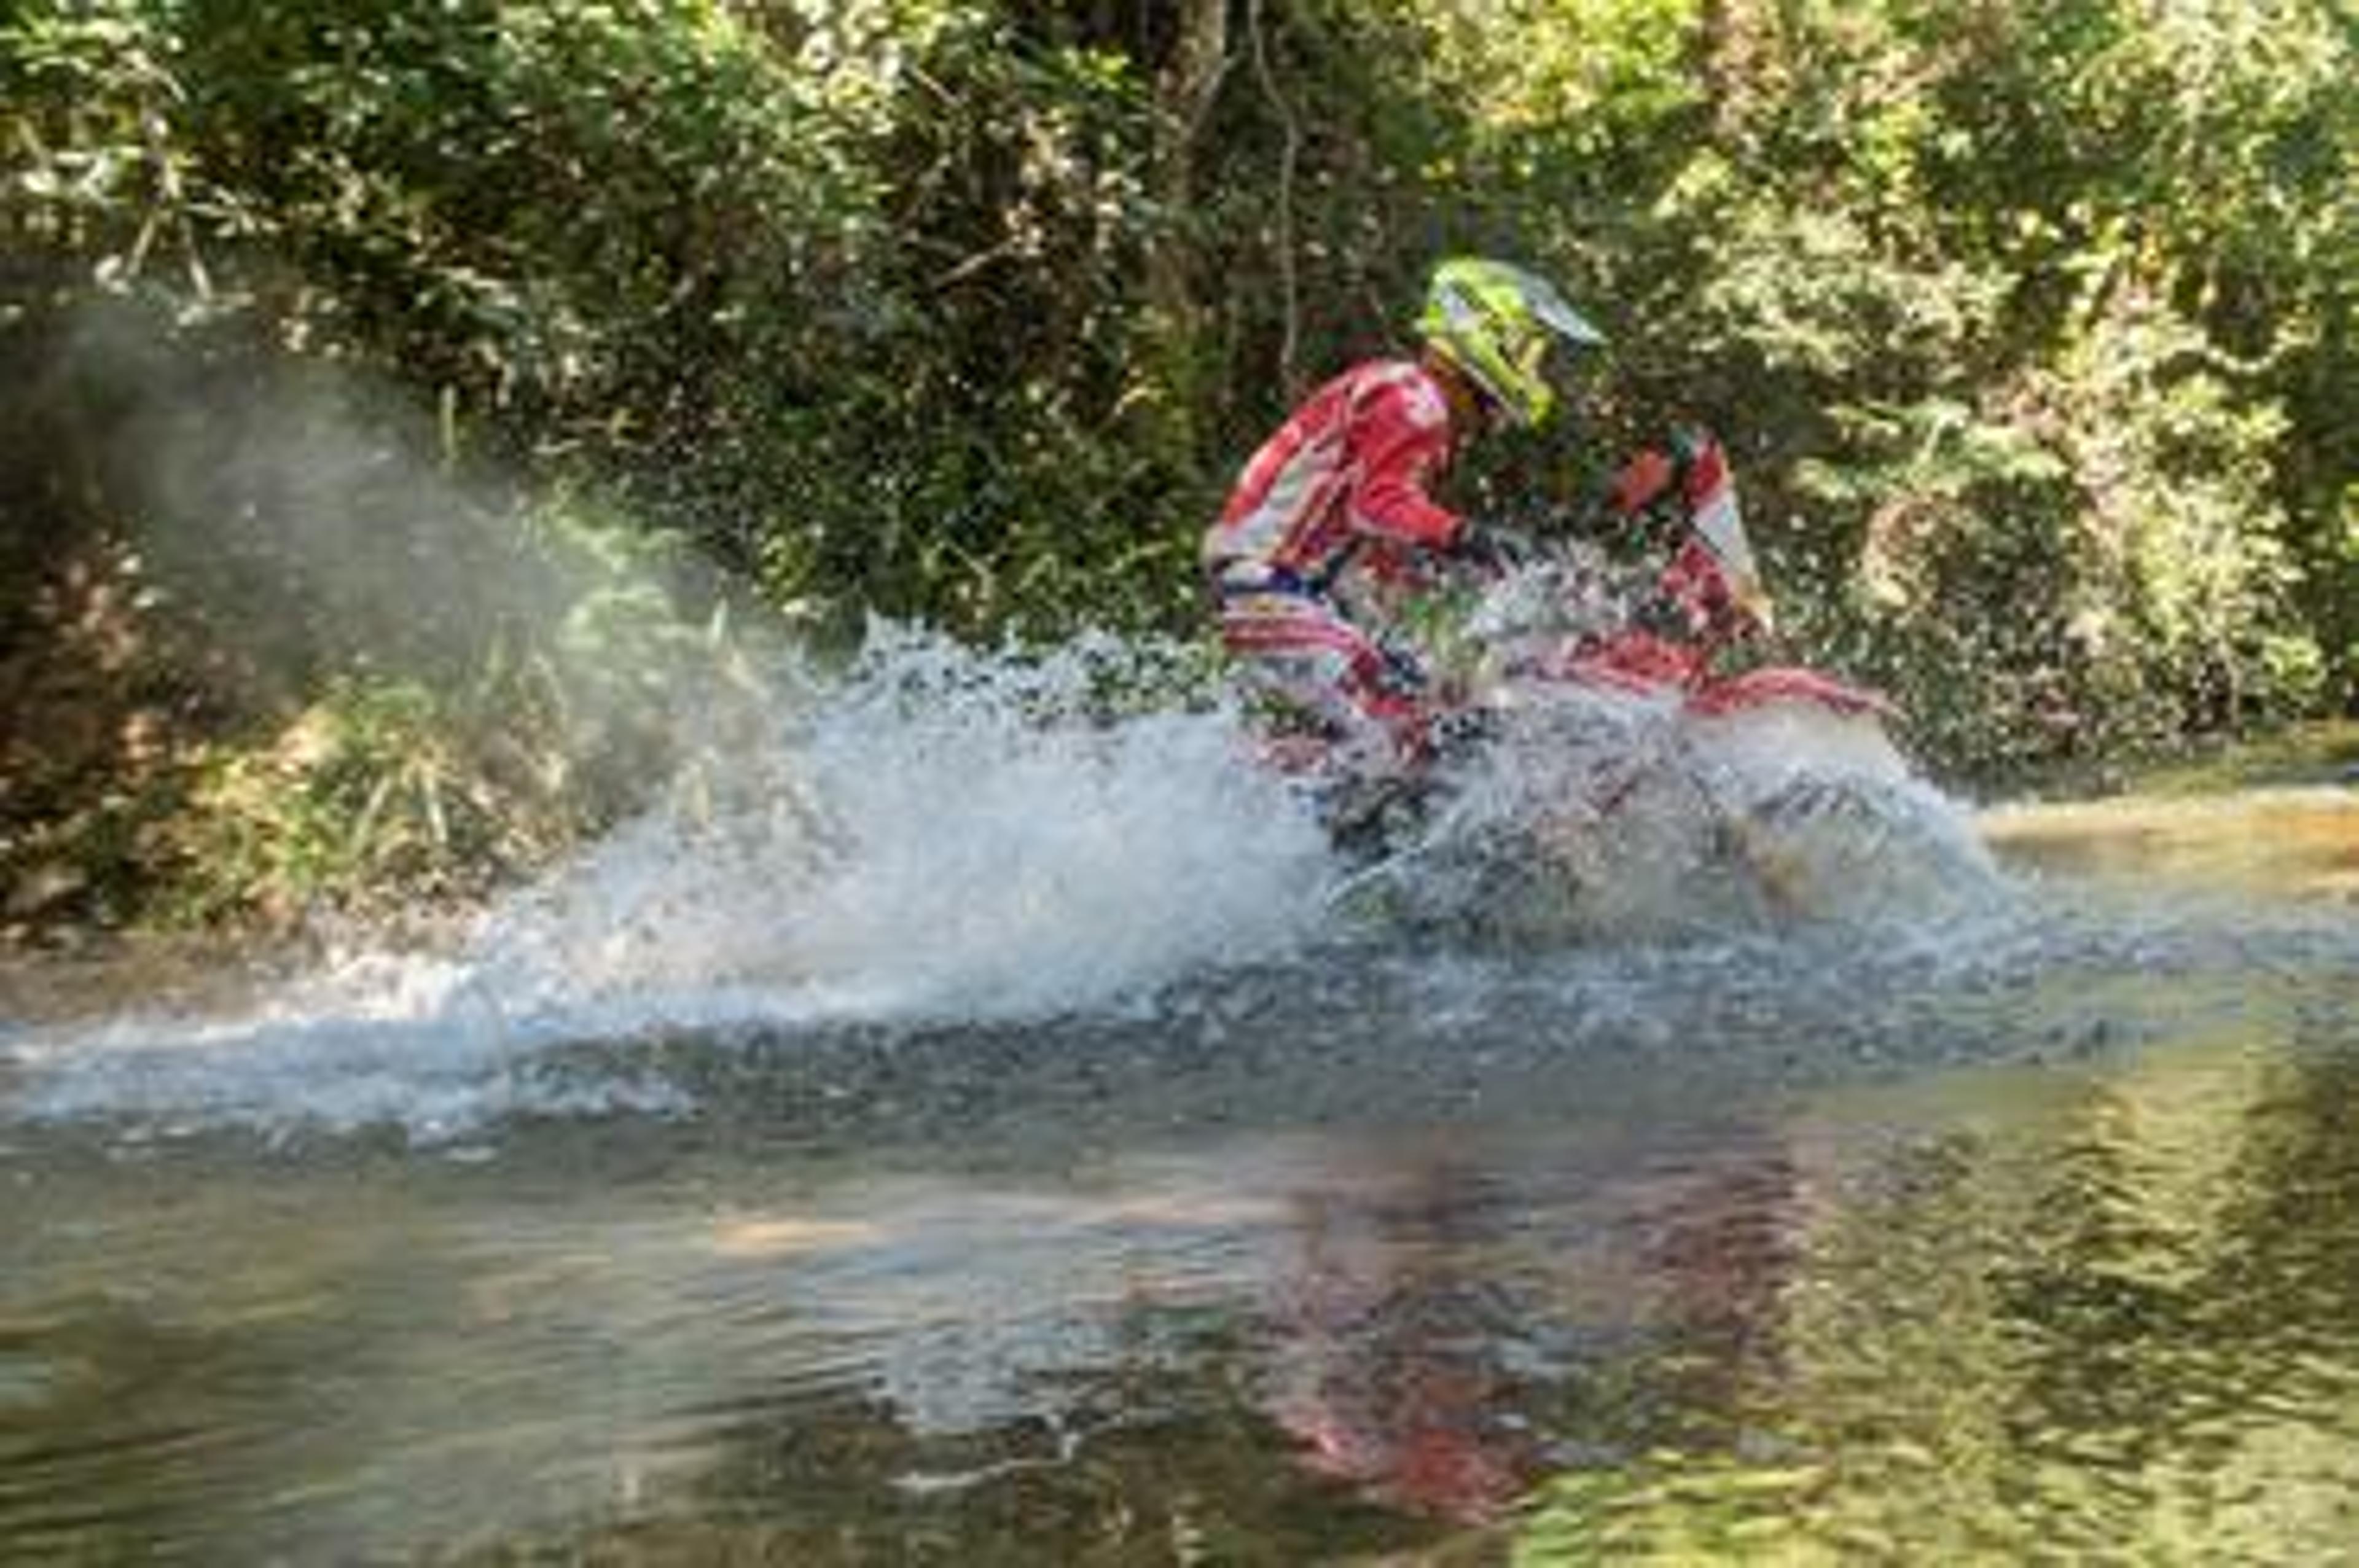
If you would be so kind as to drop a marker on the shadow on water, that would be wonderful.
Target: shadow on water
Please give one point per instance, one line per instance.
(2037, 1234)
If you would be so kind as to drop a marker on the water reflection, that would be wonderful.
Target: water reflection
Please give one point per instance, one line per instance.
(1396, 1338)
(1290, 1347)
(1617, 1292)
(1993, 1316)
(2122, 1329)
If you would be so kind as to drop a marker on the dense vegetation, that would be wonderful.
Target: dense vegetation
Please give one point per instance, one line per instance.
(406, 405)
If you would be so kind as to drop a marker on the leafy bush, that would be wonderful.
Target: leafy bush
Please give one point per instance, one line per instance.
(2030, 324)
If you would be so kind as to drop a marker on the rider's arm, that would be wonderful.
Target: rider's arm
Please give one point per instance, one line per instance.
(1400, 444)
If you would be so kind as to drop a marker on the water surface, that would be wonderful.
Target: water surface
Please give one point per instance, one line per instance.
(2028, 1230)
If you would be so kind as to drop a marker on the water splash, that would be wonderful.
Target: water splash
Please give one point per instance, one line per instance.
(935, 836)
(1598, 813)
(943, 836)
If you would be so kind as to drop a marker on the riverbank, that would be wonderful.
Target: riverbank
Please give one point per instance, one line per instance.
(2324, 752)
(2308, 850)
(96, 974)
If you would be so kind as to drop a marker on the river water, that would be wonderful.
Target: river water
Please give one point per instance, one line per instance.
(992, 1140)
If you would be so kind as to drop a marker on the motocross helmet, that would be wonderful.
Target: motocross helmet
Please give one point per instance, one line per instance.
(1495, 322)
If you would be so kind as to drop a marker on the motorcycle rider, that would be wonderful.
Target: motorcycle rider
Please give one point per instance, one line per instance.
(1333, 518)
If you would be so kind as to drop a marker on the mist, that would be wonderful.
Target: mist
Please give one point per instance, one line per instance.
(312, 521)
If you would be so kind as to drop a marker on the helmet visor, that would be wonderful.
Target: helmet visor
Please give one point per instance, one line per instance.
(1549, 309)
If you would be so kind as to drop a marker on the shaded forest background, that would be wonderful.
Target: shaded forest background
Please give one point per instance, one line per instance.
(410, 412)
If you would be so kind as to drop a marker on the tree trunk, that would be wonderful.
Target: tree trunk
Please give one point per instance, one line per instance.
(1185, 89)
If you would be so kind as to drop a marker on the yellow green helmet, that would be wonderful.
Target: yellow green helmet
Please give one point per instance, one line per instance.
(1494, 321)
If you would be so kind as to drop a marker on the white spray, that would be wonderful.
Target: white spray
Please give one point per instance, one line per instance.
(938, 836)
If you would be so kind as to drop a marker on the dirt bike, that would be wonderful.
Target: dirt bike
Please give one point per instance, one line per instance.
(1598, 764)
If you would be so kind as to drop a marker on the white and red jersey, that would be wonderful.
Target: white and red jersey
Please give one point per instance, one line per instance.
(1350, 468)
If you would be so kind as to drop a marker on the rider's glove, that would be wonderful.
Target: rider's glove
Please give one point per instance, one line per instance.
(1642, 481)
(1655, 472)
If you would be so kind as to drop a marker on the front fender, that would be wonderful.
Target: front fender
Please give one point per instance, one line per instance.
(1780, 683)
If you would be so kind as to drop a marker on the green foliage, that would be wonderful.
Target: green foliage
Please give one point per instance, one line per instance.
(2022, 391)
(2030, 322)
(384, 789)
(366, 790)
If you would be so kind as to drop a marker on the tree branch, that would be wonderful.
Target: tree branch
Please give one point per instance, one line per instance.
(1290, 288)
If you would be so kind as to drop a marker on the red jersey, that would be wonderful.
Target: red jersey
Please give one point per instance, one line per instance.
(1352, 466)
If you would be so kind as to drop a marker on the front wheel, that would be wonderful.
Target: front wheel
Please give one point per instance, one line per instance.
(1855, 847)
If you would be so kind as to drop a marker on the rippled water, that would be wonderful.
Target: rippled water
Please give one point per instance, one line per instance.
(1010, 1199)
